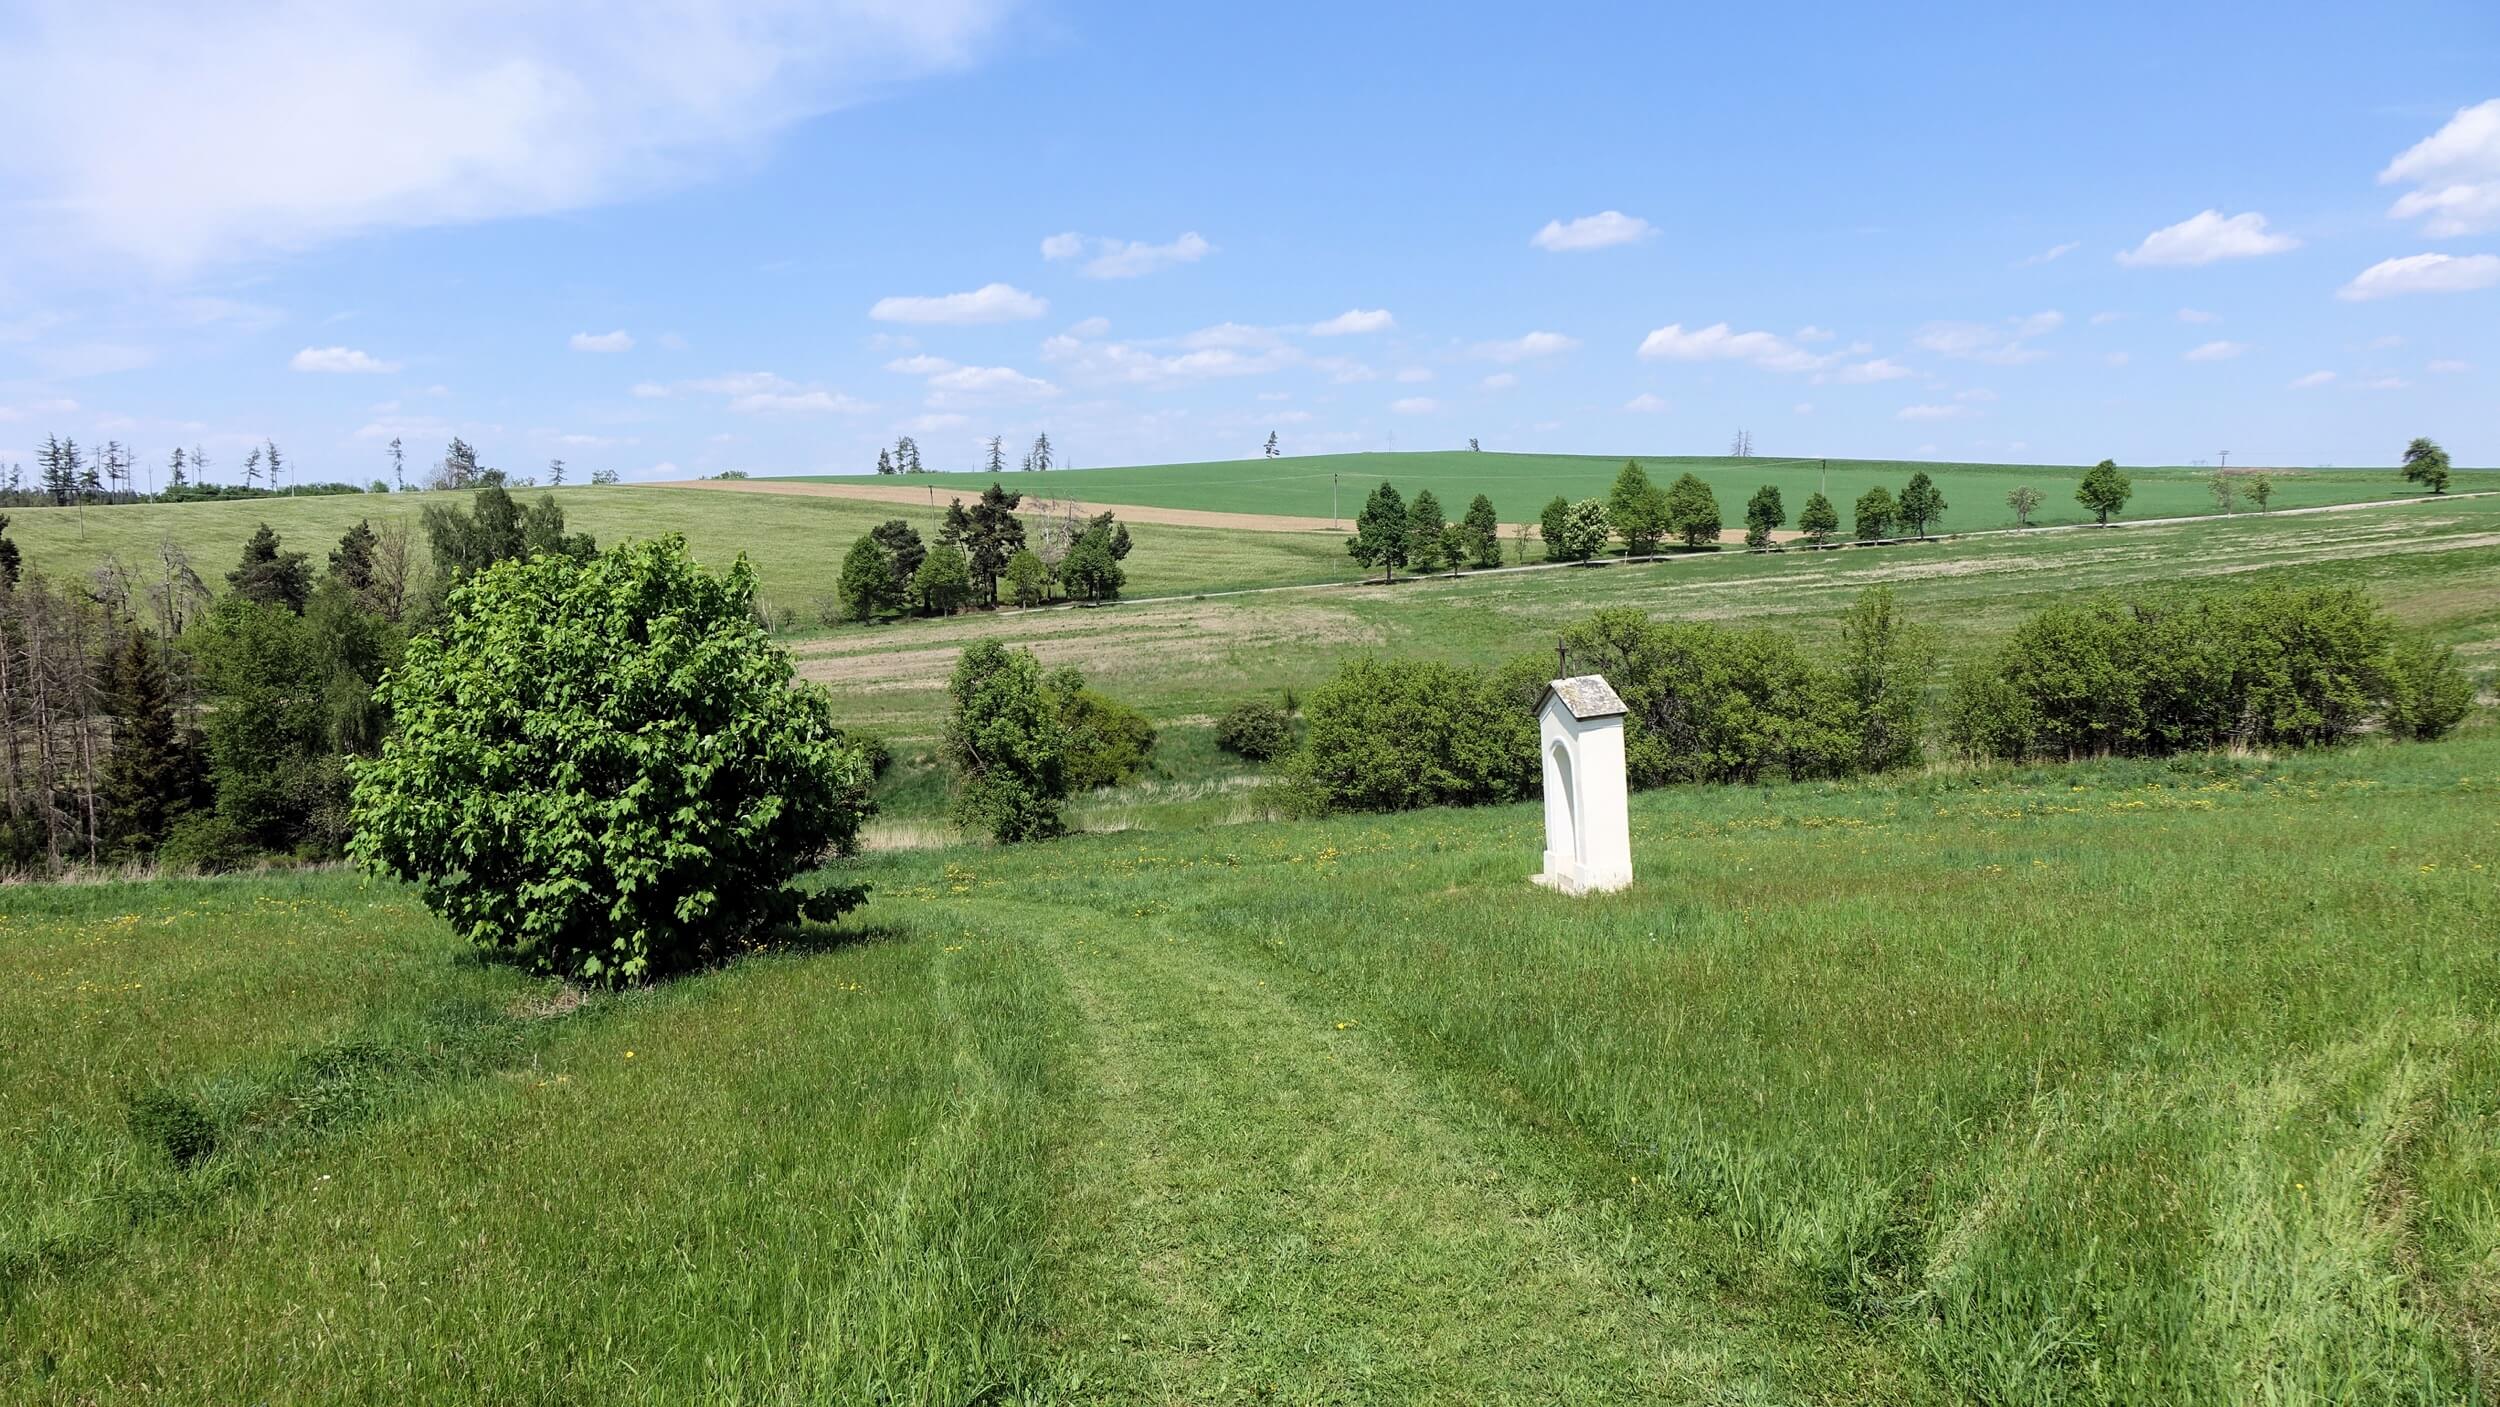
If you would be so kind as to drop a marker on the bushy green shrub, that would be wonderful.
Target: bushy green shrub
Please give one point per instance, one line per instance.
(1107, 741)
(1256, 731)
(1706, 703)
(1390, 735)
(1006, 744)
(2269, 667)
(203, 842)
(604, 769)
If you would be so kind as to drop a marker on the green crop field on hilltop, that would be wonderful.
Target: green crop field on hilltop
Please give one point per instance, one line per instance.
(2111, 1083)
(1521, 484)
(796, 542)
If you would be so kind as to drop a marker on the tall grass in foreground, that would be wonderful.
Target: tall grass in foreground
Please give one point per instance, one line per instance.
(799, 1178)
(2125, 1083)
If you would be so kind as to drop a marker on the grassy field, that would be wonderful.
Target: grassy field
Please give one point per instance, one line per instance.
(2436, 566)
(1520, 484)
(2113, 1083)
(795, 542)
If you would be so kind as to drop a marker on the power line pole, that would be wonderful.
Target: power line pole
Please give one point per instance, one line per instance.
(2226, 459)
(1332, 503)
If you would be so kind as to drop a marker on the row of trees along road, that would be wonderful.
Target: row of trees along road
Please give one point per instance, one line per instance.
(983, 556)
(146, 714)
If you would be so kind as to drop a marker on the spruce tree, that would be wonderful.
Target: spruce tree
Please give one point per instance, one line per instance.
(153, 772)
(1380, 532)
(270, 576)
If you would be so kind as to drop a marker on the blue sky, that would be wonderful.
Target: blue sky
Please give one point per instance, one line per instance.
(681, 239)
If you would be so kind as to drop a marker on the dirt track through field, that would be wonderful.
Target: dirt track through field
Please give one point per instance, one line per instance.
(927, 496)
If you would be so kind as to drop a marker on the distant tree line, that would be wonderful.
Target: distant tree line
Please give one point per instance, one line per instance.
(983, 557)
(903, 456)
(67, 474)
(148, 715)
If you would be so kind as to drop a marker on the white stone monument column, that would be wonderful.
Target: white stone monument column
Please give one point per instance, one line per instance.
(1588, 820)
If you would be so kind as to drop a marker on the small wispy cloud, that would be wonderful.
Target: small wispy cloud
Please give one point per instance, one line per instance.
(344, 360)
(1603, 230)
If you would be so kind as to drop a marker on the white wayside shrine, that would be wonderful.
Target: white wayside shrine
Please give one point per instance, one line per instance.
(1588, 821)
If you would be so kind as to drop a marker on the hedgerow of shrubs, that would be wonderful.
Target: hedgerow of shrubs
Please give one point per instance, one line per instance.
(1394, 734)
(605, 769)
(2144, 677)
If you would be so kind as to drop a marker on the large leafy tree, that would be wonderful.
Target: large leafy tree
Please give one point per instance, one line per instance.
(1007, 745)
(605, 769)
(1876, 514)
(1637, 510)
(1549, 525)
(2425, 463)
(1582, 534)
(1693, 512)
(1921, 503)
(1481, 532)
(867, 580)
(943, 581)
(2104, 490)
(1381, 532)
(1818, 520)
(1764, 514)
(904, 549)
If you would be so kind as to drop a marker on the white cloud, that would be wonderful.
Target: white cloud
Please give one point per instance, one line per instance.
(987, 382)
(650, 391)
(1129, 364)
(2312, 380)
(1718, 342)
(1811, 333)
(1534, 344)
(1869, 372)
(1354, 320)
(2106, 318)
(2216, 351)
(2205, 238)
(2455, 173)
(617, 341)
(1931, 412)
(2423, 273)
(1414, 375)
(741, 383)
(991, 302)
(1603, 230)
(2386, 383)
(919, 364)
(1498, 381)
(1645, 404)
(2049, 255)
(1998, 344)
(1124, 258)
(2198, 315)
(1091, 327)
(284, 126)
(339, 359)
(1415, 405)
(2447, 366)
(795, 403)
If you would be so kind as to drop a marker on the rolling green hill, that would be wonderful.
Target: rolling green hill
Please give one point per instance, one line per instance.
(795, 542)
(1520, 484)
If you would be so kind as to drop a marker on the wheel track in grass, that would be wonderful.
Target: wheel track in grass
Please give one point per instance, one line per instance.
(1261, 1200)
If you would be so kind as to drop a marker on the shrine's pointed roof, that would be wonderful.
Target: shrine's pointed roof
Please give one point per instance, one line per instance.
(1586, 695)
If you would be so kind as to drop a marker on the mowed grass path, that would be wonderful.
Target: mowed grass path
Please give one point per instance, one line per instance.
(1520, 484)
(2114, 1083)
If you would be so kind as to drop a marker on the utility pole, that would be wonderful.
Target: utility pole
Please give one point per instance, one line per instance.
(2226, 459)
(1332, 503)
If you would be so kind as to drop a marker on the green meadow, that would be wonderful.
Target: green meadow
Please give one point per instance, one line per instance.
(796, 542)
(1520, 484)
(2109, 1083)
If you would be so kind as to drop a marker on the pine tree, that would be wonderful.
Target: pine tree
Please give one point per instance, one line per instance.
(399, 466)
(555, 473)
(270, 576)
(1483, 534)
(12, 567)
(1424, 524)
(174, 479)
(904, 549)
(1041, 452)
(1272, 451)
(153, 773)
(251, 469)
(275, 464)
(885, 461)
(998, 454)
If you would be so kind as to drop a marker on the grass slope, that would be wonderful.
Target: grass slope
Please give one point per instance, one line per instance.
(1520, 484)
(2114, 1083)
(796, 543)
